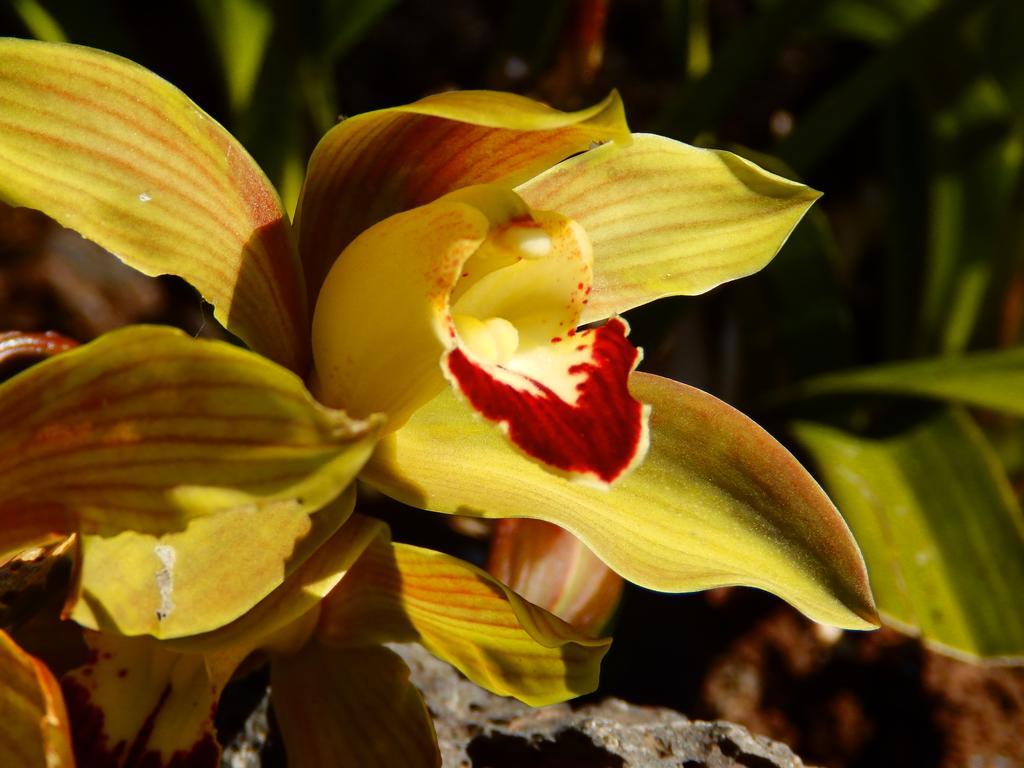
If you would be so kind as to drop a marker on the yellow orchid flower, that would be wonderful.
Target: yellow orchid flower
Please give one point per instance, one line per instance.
(455, 253)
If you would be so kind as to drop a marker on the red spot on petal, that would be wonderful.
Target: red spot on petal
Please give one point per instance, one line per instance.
(572, 332)
(579, 286)
(90, 740)
(601, 434)
(555, 339)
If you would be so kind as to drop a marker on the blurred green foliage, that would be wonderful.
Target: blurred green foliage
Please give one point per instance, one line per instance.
(888, 333)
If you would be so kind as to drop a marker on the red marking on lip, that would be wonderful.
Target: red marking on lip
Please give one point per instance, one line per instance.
(600, 435)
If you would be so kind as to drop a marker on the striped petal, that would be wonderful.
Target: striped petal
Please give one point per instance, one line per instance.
(374, 165)
(716, 502)
(479, 289)
(553, 569)
(147, 432)
(667, 219)
(35, 727)
(121, 156)
(354, 707)
(136, 703)
(400, 593)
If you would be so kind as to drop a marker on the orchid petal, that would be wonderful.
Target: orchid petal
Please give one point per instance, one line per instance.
(376, 340)
(147, 428)
(667, 219)
(355, 706)
(146, 431)
(411, 155)
(137, 703)
(201, 578)
(716, 502)
(477, 288)
(114, 152)
(35, 724)
(400, 593)
(300, 593)
(553, 569)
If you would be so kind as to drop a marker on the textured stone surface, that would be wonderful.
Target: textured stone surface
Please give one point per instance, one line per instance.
(479, 730)
(476, 729)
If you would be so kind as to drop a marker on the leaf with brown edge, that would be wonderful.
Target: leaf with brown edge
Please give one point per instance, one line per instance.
(121, 156)
(553, 569)
(146, 428)
(413, 154)
(351, 706)
(35, 724)
(400, 593)
(137, 703)
(668, 219)
(716, 502)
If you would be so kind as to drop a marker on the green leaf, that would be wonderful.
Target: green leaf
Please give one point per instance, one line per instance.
(39, 21)
(240, 30)
(985, 379)
(940, 528)
(348, 21)
(716, 502)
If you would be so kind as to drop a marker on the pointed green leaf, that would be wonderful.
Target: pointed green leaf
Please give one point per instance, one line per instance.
(985, 379)
(940, 528)
(240, 30)
(716, 502)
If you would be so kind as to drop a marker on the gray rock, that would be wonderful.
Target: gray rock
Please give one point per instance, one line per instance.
(477, 729)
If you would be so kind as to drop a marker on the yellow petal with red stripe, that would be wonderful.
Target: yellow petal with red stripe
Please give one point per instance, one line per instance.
(401, 593)
(352, 706)
(35, 729)
(553, 569)
(114, 152)
(716, 502)
(376, 164)
(667, 219)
